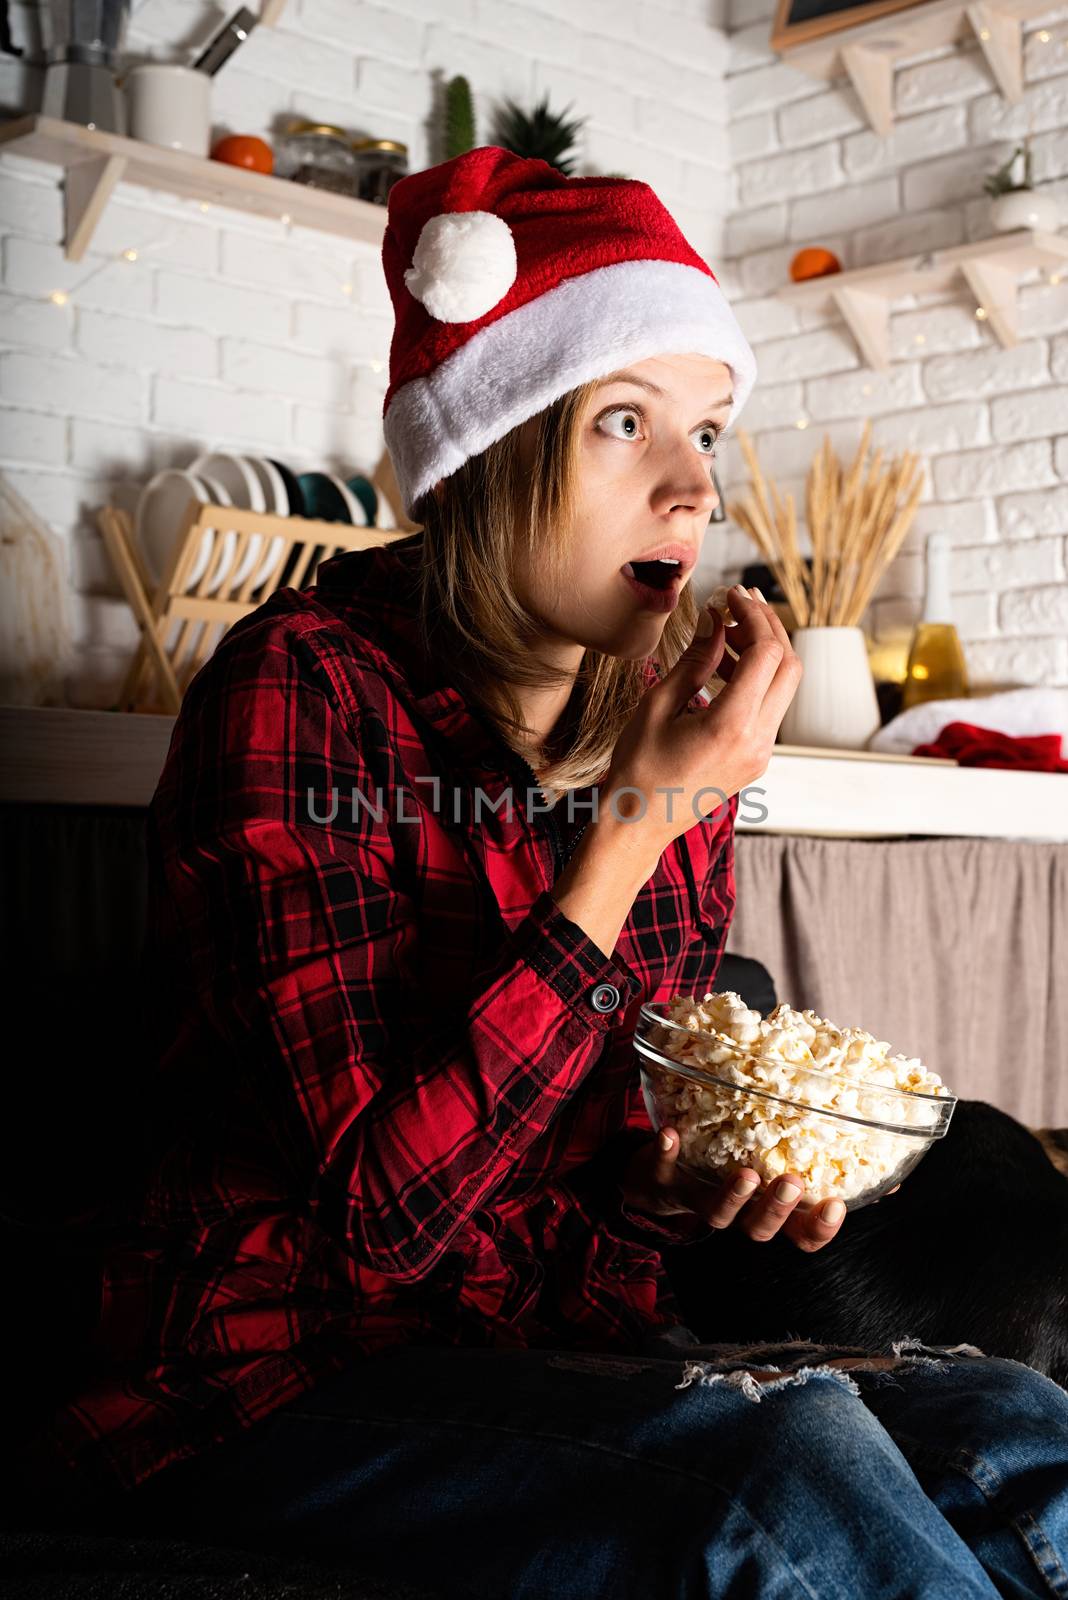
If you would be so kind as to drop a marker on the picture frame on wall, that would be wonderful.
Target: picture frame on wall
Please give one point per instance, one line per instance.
(799, 22)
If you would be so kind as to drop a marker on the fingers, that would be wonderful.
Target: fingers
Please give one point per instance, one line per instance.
(727, 661)
(760, 1215)
(773, 1207)
(772, 680)
(696, 665)
(730, 655)
(751, 678)
(667, 1155)
(810, 1228)
(784, 684)
(668, 1188)
(727, 1201)
(773, 618)
(815, 1226)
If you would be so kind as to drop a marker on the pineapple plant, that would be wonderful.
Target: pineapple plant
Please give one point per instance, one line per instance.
(542, 134)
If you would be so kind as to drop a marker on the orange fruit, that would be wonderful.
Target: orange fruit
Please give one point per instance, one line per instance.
(813, 262)
(243, 150)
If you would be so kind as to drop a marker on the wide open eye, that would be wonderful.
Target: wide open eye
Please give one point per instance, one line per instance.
(628, 418)
(707, 438)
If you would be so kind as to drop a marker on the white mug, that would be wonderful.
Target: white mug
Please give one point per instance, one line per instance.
(169, 105)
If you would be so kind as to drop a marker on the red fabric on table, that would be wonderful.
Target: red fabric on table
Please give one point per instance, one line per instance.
(972, 746)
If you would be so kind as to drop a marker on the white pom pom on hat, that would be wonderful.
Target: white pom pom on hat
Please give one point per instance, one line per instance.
(464, 264)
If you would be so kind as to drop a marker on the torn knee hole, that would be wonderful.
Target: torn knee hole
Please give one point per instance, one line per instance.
(754, 1385)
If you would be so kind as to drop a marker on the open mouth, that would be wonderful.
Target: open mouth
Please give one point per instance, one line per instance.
(657, 574)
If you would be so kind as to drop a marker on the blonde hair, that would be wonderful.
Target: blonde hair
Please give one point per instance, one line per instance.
(488, 509)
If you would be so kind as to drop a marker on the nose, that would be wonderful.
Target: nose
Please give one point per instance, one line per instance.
(687, 484)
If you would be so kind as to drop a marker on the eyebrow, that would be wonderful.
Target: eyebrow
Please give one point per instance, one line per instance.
(643, 383)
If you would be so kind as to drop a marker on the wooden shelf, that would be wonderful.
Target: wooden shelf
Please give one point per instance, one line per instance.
(811, 791)
(992, 269)
(95, 162)
(867, 53)
(62, 756)
(110, 758)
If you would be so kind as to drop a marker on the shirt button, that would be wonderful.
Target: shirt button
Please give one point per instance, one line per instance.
(553, 1203)
(605, 997)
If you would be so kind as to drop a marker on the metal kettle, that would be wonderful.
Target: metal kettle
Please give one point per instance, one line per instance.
(85, 38)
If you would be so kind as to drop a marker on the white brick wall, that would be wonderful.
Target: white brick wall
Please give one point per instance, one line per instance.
(235, 331)
(992, 424)
(230, 330)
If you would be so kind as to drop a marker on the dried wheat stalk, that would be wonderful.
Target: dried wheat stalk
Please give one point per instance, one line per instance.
(857, 522)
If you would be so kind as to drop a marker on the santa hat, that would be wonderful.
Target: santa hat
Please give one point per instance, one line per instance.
(513, 284)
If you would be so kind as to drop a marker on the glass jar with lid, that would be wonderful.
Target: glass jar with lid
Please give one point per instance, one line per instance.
(317, 154)
(379, 162)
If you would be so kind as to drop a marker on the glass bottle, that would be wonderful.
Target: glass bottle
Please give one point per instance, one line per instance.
(936, 668)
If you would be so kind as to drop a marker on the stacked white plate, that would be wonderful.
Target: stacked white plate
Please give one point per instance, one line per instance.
(249, 483)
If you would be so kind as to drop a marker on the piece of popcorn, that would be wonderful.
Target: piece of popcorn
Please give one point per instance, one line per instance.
(717, 601)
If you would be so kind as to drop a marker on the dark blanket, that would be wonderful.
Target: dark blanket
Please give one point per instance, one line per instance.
(973, 1249)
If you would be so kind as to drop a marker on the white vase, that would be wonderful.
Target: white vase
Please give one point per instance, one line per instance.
(834, 706)
(1026, 208)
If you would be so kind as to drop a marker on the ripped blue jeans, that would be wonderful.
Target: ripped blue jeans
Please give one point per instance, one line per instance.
(684, 1472)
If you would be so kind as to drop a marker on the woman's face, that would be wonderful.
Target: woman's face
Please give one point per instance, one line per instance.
(645, 490)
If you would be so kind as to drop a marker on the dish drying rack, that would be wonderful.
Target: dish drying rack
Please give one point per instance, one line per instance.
(181, 623)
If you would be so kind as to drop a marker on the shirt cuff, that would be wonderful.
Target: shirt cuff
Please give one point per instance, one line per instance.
(597, 986)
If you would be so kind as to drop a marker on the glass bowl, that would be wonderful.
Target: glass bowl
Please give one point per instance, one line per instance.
(848, 1138)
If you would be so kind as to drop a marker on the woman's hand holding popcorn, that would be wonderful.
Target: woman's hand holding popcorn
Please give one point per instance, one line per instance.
(684, 765)
(653, 1183)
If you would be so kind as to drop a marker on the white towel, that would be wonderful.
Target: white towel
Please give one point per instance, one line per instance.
(1016, 712)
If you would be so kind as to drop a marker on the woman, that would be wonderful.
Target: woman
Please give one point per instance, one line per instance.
(396, 1268)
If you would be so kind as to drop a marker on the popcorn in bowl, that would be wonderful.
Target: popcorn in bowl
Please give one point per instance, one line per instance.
(787, 1093)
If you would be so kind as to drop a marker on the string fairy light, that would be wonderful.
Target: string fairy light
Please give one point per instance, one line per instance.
(62, 297)
(132, 254)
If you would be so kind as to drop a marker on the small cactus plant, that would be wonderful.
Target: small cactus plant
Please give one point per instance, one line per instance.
(459, 118)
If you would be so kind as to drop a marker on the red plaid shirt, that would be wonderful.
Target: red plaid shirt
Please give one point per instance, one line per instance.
(389, 1109)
